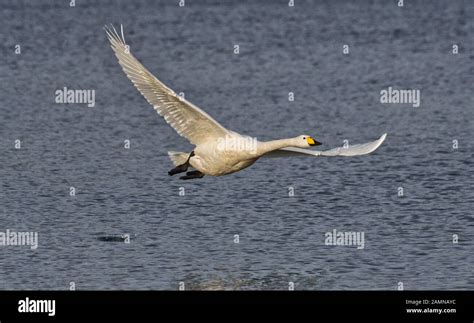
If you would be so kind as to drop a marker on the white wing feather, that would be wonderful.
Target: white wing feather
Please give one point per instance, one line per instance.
(352, 150)
(187, 119)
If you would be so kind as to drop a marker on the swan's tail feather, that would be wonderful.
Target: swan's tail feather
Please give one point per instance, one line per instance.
(178, 158)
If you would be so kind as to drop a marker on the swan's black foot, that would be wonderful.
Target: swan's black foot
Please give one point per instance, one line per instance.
(181, 168)
(192, 175)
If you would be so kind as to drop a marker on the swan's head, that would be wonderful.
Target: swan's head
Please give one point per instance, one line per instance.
(305, 141)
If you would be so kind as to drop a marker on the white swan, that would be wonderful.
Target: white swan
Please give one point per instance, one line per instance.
(218, 150)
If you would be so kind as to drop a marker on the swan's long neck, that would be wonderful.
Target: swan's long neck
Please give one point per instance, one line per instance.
(267, 146)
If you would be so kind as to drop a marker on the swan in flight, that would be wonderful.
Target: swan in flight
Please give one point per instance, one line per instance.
(218, 151)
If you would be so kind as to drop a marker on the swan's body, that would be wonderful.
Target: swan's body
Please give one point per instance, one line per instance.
(218, 151)
(210, 160)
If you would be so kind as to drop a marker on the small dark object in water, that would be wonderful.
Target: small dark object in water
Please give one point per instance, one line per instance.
(121, 238)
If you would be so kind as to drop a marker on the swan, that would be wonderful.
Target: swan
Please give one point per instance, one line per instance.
(218, 151)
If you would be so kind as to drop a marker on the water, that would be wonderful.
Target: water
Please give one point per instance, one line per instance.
(190, 239)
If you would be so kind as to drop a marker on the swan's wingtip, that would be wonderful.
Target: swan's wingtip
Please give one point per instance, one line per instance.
(383, 137)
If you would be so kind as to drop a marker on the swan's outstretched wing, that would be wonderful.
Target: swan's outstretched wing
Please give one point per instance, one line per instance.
(187, 119)
(353, 150)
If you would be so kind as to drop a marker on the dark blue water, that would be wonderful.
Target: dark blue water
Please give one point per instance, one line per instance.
(190, 238)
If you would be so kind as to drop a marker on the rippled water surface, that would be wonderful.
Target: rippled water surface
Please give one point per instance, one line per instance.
(190, 238)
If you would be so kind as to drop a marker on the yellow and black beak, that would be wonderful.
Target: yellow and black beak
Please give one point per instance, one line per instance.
(312, 142)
